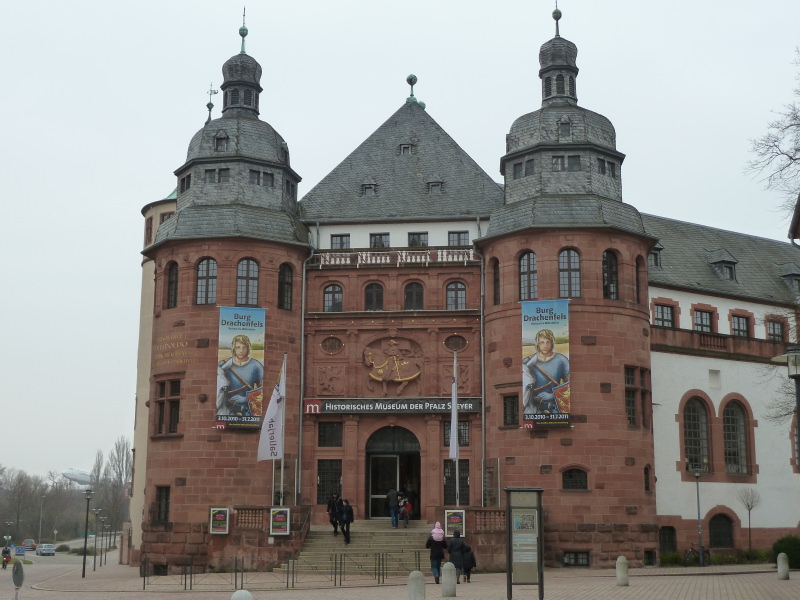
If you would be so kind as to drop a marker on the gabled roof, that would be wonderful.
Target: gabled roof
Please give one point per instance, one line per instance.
(685, 261)
(401, 179)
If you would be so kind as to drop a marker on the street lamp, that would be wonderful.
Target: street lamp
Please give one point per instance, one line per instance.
(108, 541)
(94, 558)
(41, 508)
(88, 494)
(701, 557)
(792, 361)
(8, 537)
(102, 537)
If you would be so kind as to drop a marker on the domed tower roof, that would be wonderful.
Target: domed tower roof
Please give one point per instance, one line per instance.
(563, 153)
(237, 180)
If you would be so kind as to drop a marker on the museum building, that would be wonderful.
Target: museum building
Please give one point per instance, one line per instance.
(408, 268)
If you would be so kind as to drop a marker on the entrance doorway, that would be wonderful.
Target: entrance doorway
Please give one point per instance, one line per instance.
(392, 461)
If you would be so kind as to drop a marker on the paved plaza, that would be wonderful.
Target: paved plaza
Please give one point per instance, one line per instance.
(750, 582)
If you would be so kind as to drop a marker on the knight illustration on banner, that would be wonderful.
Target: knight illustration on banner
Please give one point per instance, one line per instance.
(545, 371)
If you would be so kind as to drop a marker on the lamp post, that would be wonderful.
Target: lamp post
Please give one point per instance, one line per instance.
(701, 557)
(102, 537)
(94, 558)
(108, 541)
(41, 508)
(792, 361)
(8, 537)
(88, 494)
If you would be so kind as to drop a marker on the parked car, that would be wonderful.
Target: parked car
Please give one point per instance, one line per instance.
(29, 544)
(45, 550)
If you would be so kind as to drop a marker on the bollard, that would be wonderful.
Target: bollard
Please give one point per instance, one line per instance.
(783, 566)
(448, 580)
(622, 571)
(242, 595)
(416, 585)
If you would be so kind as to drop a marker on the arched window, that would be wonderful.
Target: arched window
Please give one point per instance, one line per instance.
(720, 531)
(610, 276)
(456, 293)
(735, 433)
(206, 282)
(235, 96)
(285, 278)
(247, 282)
(695, 435)
(248, 97)
(496, 281)
(569, 274)
(548, 86)
(574, 479)
(373, 297)
(172, 285)
(559, 84)
(413, 296)
(332, 298)
(571, 85)
(528, 277)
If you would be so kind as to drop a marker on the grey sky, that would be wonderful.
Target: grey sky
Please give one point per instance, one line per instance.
(102, 98)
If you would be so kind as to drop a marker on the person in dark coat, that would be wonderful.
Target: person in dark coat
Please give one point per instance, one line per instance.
(456, 549)
(393, 505)
(346, 519)
(469, 562)
(438, 545)
(334, 511)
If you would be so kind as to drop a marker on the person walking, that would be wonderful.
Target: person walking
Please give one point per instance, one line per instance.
(456, 548)
(437, 545)
(346, 519)
(393, 505)
(334, 511)
(469, 562)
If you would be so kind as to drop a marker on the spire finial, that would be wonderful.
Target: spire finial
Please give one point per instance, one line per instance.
(411, 80)
(243, 28)
(210, 105)
(557, 16)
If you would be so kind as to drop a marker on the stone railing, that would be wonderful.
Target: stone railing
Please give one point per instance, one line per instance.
(387, 257)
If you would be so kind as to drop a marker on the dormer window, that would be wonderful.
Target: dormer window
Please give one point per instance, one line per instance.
(435, 187)
(723, 263)
(564, 133)
(221, 142)
(406, 149)
(369, 189)
(729, 272)
(654, 258)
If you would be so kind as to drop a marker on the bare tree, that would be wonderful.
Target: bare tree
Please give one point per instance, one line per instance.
(117, 476)
(778, 151)
(750, 498)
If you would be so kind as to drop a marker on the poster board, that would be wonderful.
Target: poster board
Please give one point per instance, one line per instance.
(454, 521)
(219, 521)
(279, 520)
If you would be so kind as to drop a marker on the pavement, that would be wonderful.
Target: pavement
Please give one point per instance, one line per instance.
(740, 582)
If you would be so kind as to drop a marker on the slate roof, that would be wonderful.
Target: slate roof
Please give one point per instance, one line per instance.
(565, 211)
(689, 250)
(231, 220)
(402, 179)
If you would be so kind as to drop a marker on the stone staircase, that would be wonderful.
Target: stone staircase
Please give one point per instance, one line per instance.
(375, 550)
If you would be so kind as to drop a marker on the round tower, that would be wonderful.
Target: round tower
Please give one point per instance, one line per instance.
(564, 238)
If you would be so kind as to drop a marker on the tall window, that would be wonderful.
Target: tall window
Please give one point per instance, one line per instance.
(458, 238)
(340, 241)
(695, 435)
(329, 479)
(495, 281)
(510, 410)
(332, 298)
(630, 395)
(734, 424)
(641, 281)
(247, 282)
(172, 285)
(702, 321)
(167, 406)
(373, 297)
(637, 396)
(456, 293)
(162, 504)
(740, 326)
(418, 239)
(664, 316)
(560, 84)
(610, 276)
(285, 278)
(206, 282)
(450, 482)
(775, 331)
(569, 274)
(413, 296)
(463, 433)
(528, 276)
(329, 434)
(378, 240)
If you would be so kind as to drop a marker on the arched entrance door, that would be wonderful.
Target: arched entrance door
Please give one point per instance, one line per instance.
(392, 461)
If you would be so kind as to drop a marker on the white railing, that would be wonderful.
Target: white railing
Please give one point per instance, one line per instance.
(396, 257)
(374, 258)
(417, 257)
(465, 256)
(334, 258)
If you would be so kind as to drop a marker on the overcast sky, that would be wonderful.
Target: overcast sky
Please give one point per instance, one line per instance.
(102, 98)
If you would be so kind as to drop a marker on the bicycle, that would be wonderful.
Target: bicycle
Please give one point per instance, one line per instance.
(692, 556)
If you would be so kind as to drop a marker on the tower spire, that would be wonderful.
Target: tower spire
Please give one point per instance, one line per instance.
(243, 29)
(556, 17)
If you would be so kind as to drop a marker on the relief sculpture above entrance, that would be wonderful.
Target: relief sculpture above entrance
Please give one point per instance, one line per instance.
(394, 363)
